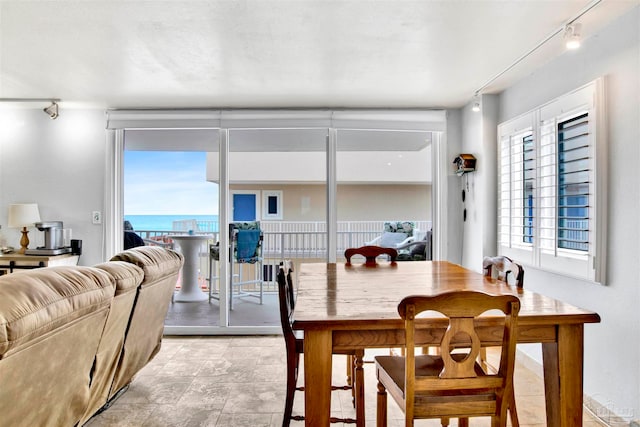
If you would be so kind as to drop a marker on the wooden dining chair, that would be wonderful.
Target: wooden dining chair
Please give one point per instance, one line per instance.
(370, 253)
(452, 384)
(294, 343)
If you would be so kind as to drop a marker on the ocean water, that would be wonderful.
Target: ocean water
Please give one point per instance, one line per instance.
(165, 222)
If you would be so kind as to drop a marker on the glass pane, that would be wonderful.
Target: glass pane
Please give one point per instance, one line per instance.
(291, 162)
(528, 178)
(168, 193)
(573, 189)
(272, 205)
(384, 191)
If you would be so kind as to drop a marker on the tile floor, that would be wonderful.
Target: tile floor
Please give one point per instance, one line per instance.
(240, 381)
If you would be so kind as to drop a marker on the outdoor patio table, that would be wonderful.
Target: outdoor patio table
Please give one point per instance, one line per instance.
(348, 307)
(189, 246)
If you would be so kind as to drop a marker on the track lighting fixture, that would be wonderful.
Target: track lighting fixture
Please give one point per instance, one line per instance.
(572, 36)
(52, 110)
(476, 103)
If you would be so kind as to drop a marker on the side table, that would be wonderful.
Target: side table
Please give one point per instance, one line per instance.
(189, 245)
(9, 263)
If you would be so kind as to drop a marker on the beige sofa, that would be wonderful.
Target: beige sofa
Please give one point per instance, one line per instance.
(72, 337)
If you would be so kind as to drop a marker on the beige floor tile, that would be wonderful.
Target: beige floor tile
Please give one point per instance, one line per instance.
(246, 420)
(202, 391)
(123, 415)
(159, 389)
(180, 415)
(263, 398)
(240, 381)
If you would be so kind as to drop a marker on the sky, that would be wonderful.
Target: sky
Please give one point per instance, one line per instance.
(168, 183)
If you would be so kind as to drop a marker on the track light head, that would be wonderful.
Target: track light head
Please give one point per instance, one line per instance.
(476, 103)
(52, 110)
(572, 37)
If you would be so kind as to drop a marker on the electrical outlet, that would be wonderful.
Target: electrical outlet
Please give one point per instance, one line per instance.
(96, 217)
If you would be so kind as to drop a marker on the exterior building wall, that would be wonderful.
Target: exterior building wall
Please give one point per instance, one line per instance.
(356, 202)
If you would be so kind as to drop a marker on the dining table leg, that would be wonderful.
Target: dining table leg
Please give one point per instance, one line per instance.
(317, 377)
(563, 370)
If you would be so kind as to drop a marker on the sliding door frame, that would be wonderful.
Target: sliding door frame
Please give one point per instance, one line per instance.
(225, 120)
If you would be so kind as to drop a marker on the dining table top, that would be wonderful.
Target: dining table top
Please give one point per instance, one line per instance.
(336, 295)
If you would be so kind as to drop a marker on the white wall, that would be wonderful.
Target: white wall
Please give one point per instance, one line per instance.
(58, 164)
(453, 236)
(310, 167)
(612, 348)
(479, 131)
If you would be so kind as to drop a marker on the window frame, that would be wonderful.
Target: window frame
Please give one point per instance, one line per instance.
(587, 265)
(278, 215)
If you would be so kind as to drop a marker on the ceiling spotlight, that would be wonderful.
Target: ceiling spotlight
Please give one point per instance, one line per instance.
(476, 103)
(52, 110)
(572, 36)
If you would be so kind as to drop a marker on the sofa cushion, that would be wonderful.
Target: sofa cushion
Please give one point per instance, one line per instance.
(127, 276)
(155, 261)
(33, 304)
(144, 333)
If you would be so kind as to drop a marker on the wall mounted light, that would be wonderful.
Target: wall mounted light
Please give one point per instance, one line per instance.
(52, 110)
(572, 36)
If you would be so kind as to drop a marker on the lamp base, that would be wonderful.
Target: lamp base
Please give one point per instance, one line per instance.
(24, 241)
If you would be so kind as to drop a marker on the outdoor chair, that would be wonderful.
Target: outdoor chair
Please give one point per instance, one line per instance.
(294, 344)
(416, 250)
(246, 249)
(452, 384)
(396, 233)
(245, 239)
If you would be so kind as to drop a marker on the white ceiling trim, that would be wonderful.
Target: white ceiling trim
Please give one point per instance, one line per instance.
(375, 119)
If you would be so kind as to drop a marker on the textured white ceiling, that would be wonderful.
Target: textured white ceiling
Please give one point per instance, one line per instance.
(266, 53)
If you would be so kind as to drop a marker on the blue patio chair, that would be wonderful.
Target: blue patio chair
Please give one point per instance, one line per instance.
(246, 248)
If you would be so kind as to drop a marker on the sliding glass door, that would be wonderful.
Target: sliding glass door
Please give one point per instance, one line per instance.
(169, 202)
(384, 190)
(277, 184)
(298, 185)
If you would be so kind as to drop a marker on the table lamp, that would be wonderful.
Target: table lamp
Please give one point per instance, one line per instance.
(23, 215)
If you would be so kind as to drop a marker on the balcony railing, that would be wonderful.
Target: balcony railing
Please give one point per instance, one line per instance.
(290, 239)
(281, 240)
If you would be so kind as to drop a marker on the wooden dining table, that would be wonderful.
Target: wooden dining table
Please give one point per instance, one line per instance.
(342, 307)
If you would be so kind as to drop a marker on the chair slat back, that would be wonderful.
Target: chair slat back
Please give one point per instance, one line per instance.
(500, 267)
(370, 253)
(287, 304)
(459, 370)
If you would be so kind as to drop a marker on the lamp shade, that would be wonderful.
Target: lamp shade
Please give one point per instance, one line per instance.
(23, 215)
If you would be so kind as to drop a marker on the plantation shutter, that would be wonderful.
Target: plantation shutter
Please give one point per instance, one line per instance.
(574, 182)
(551, 198)
(516, 187)
(547, 187)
